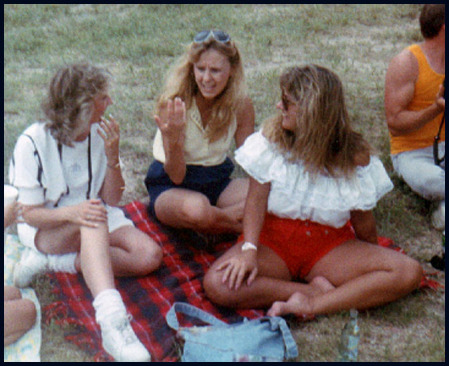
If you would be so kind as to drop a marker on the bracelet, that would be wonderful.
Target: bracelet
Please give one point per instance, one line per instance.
(248, 246)
(116, 166)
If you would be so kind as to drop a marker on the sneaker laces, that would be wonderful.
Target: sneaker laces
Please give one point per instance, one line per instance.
(123, 325)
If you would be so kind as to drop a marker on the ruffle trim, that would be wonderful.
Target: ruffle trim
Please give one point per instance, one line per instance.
(290, 181)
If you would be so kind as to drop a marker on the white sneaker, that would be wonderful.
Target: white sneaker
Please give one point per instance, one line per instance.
(120, 341)
(31, 263)
(439, 216)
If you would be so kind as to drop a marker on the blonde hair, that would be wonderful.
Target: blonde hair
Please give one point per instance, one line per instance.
(323, 138)
(70, 96)
(181, 83)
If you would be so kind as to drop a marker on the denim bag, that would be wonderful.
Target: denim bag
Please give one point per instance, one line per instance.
(263, 339)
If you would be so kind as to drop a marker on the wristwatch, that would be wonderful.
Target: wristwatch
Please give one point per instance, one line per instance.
(115, 166)
(248, 246)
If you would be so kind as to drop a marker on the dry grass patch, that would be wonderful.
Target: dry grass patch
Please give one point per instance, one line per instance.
(138, 43)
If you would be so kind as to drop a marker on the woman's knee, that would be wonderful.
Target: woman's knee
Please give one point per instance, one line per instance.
(154, 256)
(408, 274)
(212, 285)
(216, 291)
(198, 212)
(29, 313)
(20, 315)
(142, 253)
(11, 293)
(146, 256)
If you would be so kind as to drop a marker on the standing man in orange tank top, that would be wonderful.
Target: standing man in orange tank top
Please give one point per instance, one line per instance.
(414, 106)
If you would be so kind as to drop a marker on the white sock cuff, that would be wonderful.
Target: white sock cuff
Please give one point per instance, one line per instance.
(108, 295)
(107, 302)
(62, 262)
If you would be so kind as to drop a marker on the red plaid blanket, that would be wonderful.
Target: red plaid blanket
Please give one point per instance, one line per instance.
(149, 298)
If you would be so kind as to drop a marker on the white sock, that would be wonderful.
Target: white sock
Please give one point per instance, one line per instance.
(108, 302)
(62, 262)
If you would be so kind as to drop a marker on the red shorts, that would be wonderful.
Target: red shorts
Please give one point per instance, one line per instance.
(300, 244)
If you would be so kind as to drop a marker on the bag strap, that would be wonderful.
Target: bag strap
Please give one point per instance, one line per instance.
(194, 312)
(291, 349)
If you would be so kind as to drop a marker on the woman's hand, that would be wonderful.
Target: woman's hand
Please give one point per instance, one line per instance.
(172, 122)
(238, 267)
(113, 184)
(110, 133)
(88, 213)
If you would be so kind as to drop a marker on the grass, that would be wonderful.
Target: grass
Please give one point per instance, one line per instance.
(139, 42)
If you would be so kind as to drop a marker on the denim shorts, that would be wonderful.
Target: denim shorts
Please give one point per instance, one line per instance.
(208, 180)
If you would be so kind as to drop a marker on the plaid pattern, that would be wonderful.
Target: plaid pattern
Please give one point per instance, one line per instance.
(149, 298)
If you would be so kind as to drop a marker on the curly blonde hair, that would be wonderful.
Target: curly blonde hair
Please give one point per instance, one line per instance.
(70, 98)
(323, 140)
(181, 83)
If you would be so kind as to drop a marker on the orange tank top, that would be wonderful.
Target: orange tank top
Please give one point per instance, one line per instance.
(426, 88)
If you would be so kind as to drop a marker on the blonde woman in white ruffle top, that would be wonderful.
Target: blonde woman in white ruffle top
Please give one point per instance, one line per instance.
(309, 242)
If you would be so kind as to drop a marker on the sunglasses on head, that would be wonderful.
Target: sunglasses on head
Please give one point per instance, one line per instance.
(218, 35)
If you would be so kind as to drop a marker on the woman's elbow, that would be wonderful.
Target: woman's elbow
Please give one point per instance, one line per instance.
(394, 132)
(177, 180)
(112, 199)
(394, 126)
(176, 177)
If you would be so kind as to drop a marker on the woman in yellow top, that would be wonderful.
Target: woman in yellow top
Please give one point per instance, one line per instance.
(203, 108)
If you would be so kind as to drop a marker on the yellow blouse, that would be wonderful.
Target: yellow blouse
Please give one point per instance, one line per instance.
(197, 148)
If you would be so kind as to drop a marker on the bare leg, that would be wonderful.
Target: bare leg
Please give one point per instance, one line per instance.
(183, 208)
(132, 252)
(11, 293)
(294, 305)
(234, 194)
(61, 240)
(95, 259)
(19, 315)
(365, 276)
(272, 283)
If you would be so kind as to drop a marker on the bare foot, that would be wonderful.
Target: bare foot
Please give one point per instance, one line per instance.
(321, 285)
(298, 304)
(234, 215)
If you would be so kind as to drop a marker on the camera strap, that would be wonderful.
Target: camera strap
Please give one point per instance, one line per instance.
(436, 158)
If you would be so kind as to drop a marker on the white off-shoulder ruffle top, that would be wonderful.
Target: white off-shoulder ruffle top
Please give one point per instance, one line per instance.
(295, 195)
